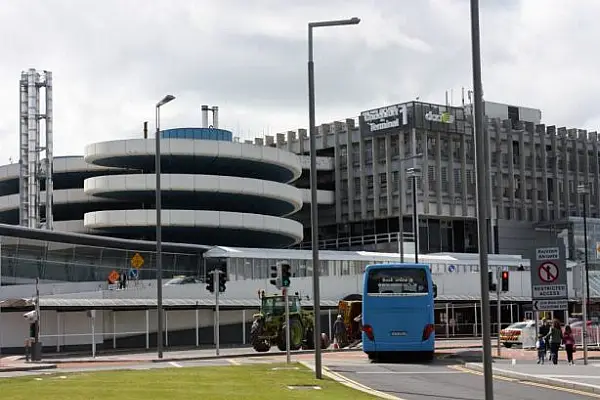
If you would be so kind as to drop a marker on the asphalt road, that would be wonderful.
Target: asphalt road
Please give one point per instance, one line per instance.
(444, 380)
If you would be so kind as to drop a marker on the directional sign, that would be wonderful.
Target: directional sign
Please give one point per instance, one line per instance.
(451, 268)
(550, 305)
(549, 274)
(137, 261)
(134, 273)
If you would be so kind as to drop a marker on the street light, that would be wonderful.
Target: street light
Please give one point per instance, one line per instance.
(585, 297)
(313, 183)
(482, 205)
(159, 308)
(414, 172)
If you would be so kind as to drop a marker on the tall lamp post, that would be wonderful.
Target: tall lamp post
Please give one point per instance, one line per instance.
(159, 305)
(313, 182)
(400, 212)
(414, 172)
(585, 298)
(482, 208)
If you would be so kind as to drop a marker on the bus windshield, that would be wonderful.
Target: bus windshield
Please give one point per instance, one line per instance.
(397, 282)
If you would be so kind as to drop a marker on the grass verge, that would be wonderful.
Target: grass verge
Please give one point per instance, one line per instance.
(258, 382)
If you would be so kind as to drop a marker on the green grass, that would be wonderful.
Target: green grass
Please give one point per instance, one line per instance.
(258, 381)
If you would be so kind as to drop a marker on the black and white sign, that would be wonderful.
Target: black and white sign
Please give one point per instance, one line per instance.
(550, 305)
(549, 289)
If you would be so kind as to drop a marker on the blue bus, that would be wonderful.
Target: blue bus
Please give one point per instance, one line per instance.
(398, 310)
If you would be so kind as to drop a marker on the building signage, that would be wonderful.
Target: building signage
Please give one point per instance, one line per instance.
(549, 289)
(445, 117)
(385, 118)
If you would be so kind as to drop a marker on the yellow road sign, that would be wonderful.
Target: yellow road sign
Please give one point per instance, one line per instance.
(137, 261)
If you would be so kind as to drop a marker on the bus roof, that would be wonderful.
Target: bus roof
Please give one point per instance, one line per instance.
(396, 266)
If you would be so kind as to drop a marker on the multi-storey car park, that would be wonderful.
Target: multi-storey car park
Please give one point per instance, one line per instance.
(214, 190)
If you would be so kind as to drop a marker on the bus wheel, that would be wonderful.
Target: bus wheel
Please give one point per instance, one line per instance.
(429, 356)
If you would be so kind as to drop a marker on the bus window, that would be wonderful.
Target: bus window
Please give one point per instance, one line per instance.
(397, 281)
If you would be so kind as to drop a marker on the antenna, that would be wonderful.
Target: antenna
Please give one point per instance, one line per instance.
(463, 95)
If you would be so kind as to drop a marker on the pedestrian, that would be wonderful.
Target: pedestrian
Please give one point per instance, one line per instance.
(339, 329)
(554, 337)
(544, 329)
(541, 348)
(569, 342)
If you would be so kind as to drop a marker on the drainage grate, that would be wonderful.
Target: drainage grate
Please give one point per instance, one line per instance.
(304, 387)
(284, 368)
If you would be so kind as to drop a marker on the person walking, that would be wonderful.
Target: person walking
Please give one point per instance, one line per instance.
(569, 342)
(339, 330)
(544, 329)
(554, 338)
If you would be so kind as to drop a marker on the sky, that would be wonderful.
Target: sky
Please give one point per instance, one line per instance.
(113, 60)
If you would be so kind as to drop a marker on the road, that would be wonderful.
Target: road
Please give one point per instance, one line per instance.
(444, 379)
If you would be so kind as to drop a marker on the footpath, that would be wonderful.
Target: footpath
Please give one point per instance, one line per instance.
(54, 360)
(522, 365)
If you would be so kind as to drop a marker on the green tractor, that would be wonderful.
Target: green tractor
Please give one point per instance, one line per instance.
(269, 325)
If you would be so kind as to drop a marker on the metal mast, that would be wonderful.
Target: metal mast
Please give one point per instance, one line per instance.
(31, 169)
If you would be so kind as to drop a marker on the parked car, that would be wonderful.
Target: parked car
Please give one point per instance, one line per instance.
(515, 334)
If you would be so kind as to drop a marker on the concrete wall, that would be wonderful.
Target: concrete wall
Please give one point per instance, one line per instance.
(518, 237)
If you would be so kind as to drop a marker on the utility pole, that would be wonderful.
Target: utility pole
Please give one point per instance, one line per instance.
(287, 326)
(216, 272)
(499, 310)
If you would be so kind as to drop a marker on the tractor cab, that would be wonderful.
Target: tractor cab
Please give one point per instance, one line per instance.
(275, 305)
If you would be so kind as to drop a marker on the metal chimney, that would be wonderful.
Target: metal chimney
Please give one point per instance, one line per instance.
(215, 111)
(204, 116)
(145, 129)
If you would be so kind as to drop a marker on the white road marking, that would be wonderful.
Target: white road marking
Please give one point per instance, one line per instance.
(407, 372)
(234, 362)
(176, 365)
(570, 376)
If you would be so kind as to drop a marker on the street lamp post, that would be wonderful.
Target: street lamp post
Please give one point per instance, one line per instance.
(159, 307)
(414, 172)
(585, 298)
(400, 212)
(313, 183)
(482, 205)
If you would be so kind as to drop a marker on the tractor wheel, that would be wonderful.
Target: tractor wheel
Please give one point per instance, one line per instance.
(309, 339)
(296, 331)
(259, 345)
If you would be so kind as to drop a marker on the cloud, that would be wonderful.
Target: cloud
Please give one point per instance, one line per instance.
(113, 60)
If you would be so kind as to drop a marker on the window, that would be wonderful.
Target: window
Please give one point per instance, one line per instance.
(397, 281)
(383, 181)
(357, 186)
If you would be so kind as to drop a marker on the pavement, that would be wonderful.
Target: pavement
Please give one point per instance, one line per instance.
(580, 377)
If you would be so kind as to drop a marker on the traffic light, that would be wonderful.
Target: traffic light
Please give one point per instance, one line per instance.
(505, 281)
(222, 281)
(492, 286)
(210, 280)
(286, 274)
(276, 276)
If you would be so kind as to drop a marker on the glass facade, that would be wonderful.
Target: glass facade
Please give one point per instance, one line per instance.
(197, 133)
(577, 240)
(241, 268)
(24, 259)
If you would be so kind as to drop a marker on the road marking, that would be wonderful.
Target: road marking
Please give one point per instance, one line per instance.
(234, 362)
(176, 365)
(562, 389)
(570, 376)
(407, 372)
(357, 385)
(469, 371)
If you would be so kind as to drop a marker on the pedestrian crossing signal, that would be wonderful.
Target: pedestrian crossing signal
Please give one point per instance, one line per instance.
(275, 276)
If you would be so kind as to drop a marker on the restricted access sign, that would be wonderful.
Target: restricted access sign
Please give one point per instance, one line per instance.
(549, 278)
